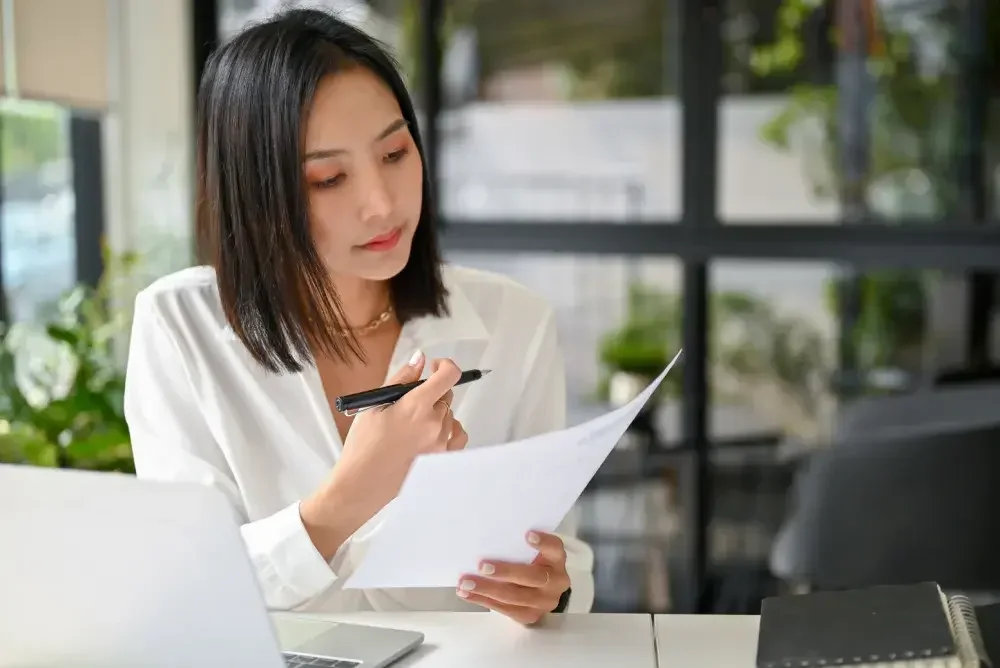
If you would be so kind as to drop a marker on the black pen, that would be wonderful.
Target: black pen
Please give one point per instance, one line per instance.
(349, 404)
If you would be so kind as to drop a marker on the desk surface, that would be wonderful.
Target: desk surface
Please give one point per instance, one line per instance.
(487, 640)
(712, 641)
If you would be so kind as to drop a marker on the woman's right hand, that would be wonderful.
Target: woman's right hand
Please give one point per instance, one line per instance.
(379, 449)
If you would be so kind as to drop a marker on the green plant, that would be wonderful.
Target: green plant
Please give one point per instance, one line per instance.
(910, 119)
(647, 341)
(891, 318)
(747, 339)
(62, 389)
(755, 346)
(913, 130)
(32, 134)
(751, 345)
(652, 328)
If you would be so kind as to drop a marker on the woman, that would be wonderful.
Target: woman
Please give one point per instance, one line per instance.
(323, 278)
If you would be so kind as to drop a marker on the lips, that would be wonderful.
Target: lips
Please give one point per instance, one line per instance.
(383, 242)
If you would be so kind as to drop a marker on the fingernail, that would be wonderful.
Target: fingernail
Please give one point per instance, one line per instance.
(417, 356)
(487, 569)
(534, 538)
(467, 585)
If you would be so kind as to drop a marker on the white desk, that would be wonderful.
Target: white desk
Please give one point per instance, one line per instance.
(487, 640)
(712, 641)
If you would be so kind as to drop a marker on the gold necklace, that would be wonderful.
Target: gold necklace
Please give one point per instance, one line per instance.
(377, 322)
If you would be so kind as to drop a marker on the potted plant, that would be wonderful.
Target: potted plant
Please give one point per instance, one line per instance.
(62, 388)
(774, 361)
(758, 356)
(639, 350)
(889, 333)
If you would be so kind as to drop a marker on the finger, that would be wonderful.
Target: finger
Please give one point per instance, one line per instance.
(437, 384)
(459, 439)
(526, 575)
(520, 614)
(444, 403)
(410, 372)
(550, 547)
(447, 422)
(506, 592)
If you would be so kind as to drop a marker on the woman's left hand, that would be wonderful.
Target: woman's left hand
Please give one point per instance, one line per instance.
(523, 592)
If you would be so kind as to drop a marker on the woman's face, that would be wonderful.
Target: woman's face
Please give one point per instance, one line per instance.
(364, 177)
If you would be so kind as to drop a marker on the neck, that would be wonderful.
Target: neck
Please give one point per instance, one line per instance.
(362, 300)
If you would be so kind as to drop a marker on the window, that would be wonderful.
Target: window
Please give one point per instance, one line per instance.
(619, 321)
(788, 121)
(37, 209)
(838, 111)
(558, 111)
(795, 344)
(233, 15)
(610, 312)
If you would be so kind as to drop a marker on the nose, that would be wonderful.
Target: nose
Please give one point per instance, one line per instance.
(374, 196)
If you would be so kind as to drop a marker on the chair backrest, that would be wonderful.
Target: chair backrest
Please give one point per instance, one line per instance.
(966, 375)
(962, 406)
(897, 508)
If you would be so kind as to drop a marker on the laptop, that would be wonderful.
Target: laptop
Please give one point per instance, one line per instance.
(106, 570)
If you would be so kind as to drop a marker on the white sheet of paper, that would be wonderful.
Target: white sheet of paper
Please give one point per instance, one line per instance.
(458, 508)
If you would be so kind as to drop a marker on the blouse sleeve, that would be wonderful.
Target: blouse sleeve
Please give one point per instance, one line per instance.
(172, 441)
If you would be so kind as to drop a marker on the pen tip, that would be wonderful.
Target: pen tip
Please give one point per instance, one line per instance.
(484, 372)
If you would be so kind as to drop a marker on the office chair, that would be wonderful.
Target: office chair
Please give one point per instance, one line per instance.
(899, 507)
(929, 409)
(967, 375)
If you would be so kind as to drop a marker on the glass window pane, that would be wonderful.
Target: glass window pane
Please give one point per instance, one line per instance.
(558, 111)
(236, 14)
(632, 521)
(37, 211)
(837, 110)
(797, 346)
(553, 110)
(590, 298)
(805, 356)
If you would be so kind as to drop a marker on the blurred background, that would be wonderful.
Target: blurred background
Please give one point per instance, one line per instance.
(801, 194)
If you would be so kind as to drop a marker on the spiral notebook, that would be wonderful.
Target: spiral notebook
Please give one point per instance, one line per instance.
(895, 626)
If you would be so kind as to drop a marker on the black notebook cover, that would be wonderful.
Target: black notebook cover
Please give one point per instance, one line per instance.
(988, 617)
(856, 627)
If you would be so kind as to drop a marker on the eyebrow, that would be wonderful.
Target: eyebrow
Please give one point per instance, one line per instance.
(320, 154)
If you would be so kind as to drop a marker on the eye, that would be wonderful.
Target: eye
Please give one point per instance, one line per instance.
(396, 156)
(332, 181)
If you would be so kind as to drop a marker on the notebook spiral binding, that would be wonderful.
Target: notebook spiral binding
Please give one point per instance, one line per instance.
(968, 637)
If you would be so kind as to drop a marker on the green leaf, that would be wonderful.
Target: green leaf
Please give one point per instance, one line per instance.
(63, 334)
(97, 447)
(21, 444)
(78, 420)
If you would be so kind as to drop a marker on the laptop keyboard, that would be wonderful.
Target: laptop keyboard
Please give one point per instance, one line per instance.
(293, 660)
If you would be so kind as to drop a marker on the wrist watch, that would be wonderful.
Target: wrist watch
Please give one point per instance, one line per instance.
(563, 601)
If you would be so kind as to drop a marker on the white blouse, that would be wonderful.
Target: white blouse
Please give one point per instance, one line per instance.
(199, 408)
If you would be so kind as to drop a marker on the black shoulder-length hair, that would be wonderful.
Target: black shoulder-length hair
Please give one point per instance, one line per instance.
(252, 201)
